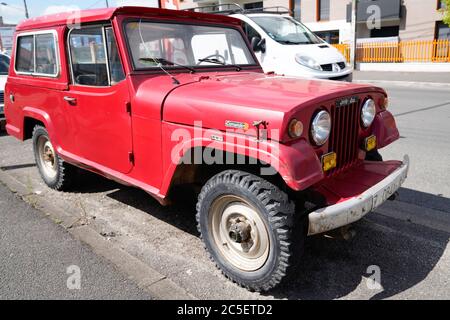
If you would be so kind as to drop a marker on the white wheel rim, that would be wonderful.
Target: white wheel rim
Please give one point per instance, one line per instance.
(47, 157)
(229, 211)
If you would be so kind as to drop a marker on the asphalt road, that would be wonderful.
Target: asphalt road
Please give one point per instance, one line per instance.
(38, 259)
(406, 240)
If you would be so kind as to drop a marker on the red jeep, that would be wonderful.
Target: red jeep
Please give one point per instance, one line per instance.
(158, 98)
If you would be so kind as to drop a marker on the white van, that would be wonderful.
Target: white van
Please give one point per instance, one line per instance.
(286, 46)
(4, 69)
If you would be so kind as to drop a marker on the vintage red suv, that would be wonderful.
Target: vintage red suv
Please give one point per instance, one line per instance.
(157, 99)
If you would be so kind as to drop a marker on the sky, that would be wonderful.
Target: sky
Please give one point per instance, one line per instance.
(14, 12)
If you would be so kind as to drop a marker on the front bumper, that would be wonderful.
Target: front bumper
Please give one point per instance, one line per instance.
(352, 210)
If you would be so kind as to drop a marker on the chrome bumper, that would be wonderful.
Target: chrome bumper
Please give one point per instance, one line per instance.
(352, 210)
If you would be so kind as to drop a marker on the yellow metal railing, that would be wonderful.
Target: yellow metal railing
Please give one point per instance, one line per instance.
(403, 51)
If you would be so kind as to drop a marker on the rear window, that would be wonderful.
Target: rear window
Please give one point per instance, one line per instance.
(37, 54)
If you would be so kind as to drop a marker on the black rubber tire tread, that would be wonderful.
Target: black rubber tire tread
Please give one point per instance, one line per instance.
(66, 173)
(279, 215)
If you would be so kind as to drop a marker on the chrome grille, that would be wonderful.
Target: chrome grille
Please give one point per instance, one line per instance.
(344, 135)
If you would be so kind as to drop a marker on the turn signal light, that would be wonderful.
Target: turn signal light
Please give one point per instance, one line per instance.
(371, 143)
(329, 161)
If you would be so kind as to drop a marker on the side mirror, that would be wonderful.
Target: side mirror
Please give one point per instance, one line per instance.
(258, 44)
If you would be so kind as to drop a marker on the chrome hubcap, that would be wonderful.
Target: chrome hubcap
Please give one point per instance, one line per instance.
(239, 233)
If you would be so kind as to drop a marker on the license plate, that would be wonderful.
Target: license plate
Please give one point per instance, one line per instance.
(383, 195)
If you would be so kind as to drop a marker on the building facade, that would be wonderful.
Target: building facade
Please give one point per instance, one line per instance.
(6, 36)
(399, 20)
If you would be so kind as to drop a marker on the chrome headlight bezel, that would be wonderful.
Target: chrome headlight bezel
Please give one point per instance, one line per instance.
(368, 113)
(321, 128)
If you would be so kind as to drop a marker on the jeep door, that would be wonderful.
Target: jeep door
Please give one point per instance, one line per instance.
(99, 98)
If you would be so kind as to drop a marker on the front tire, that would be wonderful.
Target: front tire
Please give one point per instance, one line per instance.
(247, 225)
(56, 173)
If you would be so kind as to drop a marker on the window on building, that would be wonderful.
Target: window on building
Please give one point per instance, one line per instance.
(323, 10)
(385, 32)
(442, 31)
(254, 5)
(332, 36)
(441, 4)
(296, 8)
(37, 54)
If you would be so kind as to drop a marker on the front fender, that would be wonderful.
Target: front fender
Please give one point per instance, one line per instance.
(385, 129)
(296, 163)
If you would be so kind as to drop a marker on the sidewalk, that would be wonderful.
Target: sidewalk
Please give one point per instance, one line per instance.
(421, 78)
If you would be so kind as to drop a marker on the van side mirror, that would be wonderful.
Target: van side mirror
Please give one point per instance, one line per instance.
(258, 44)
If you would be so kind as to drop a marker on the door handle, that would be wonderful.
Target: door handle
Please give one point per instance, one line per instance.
(70, 100)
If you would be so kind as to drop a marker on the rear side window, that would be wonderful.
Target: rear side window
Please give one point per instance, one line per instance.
(37, 54)
(46, 54)
(25, 54)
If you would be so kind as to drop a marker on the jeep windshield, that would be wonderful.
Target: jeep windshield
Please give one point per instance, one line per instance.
(172, 45)
(4, 64)
(286, 30)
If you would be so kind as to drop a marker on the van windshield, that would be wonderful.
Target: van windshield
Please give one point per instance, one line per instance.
(169, 45)
(4, 65)
(286, 30)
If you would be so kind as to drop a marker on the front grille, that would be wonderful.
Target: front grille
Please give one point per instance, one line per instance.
(2, 97)
(329, 67)
(344, 134)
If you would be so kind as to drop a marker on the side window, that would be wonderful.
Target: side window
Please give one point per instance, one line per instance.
(250, 32)
(115, 65)
(95, 57)
(88, 56)
(37, 54)
(25, 54)
(46, 54)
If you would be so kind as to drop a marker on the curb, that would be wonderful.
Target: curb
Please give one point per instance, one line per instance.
(405, 83)
(157, 285)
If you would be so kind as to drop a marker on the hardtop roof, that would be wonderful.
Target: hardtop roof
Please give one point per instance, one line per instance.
(86, 16)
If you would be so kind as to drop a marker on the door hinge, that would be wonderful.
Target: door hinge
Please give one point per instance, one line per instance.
(131, 157)
(128, 107)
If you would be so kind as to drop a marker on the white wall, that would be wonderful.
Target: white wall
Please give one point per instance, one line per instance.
(405, 67)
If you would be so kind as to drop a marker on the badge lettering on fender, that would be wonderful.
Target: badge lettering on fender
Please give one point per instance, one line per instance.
(237, 125)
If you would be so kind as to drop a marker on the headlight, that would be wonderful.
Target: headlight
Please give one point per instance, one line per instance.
(308, 62)
(368, 113)
(321, 128)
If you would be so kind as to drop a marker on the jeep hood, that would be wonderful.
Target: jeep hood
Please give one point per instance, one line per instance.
(244, 98)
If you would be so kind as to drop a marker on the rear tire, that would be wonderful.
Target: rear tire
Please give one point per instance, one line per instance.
(247, 226)
(56, 173)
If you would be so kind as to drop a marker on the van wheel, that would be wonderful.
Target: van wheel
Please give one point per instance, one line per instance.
(56, 173)
(247, 226)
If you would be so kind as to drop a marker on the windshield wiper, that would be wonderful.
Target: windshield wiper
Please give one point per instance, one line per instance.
(167, 63)
(217, 61)
(291, 42)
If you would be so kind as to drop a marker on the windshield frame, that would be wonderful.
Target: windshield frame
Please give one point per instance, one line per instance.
(9, 64)
(292, 20)
(199, 68)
